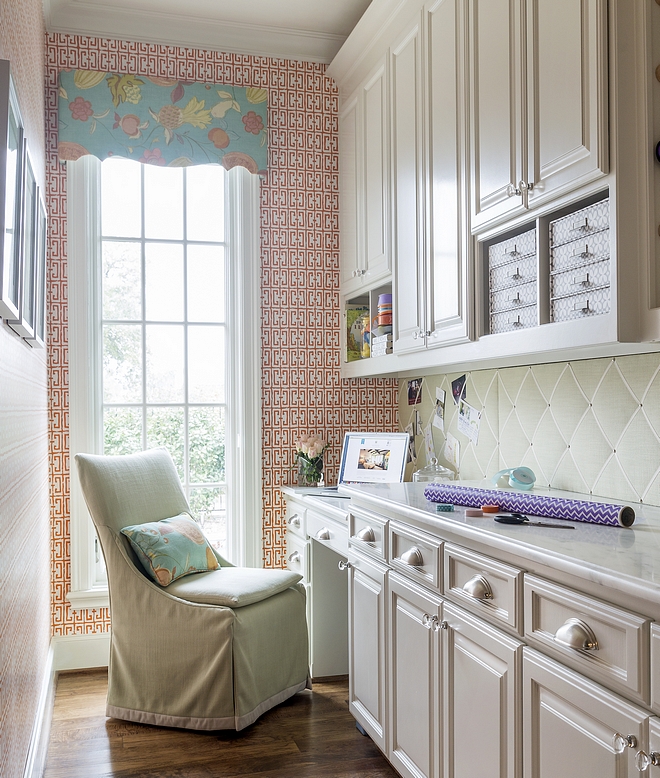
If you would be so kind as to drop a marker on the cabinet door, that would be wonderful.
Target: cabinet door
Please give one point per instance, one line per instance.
(407, 190)
(567, 94)
(414, 679)
(496, 120)
(366, 640)
(447, 288)
(376, 176)
(482, 708)
(350, 177)
(571, 724)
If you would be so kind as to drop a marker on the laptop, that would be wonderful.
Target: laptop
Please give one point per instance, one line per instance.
(371, 458)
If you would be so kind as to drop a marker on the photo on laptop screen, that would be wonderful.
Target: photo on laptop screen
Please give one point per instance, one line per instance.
(373, 458)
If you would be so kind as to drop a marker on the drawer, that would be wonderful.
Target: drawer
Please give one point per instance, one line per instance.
(328, 532)
(564, 623)
(415, 554)
(581, 251)
(514, 297)
(580, 306)
(586, 221)
(580, 279)
(295, 518)
(521, 271)
(518, 319)
(296, 556)
(488, 587)
(512, 248)
(368, 533)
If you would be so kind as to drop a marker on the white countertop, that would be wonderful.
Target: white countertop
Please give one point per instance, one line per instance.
(624, 559)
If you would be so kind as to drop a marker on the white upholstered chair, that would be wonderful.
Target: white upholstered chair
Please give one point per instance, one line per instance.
(212, 650)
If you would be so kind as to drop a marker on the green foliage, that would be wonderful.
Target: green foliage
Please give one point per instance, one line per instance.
(122, 431)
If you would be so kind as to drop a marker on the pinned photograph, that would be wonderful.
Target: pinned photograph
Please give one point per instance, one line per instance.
(439, 412)
(452, 451)
(415, 391)
(469, 421)
(458, 389)
(412, 451)
(419, 427)
(429, 448)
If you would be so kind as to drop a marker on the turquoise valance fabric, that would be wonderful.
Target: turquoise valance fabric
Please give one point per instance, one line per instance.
(161, 121)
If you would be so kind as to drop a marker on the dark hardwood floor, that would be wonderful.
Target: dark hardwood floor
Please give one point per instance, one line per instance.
(312, 734)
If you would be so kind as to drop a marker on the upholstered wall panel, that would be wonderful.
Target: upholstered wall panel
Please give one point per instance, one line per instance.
(302, 387)
(24, 510)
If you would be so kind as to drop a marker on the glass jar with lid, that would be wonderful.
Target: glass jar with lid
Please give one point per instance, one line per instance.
(433, 472)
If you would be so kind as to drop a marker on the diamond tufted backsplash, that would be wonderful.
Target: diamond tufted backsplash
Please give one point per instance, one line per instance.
(589, 426)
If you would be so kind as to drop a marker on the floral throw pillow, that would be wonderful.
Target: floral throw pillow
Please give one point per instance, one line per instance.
(171, 548)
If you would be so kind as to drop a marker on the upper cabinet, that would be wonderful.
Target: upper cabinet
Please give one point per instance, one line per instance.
(538, 102)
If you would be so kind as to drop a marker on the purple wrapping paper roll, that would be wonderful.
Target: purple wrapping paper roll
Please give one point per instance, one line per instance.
(533, 504)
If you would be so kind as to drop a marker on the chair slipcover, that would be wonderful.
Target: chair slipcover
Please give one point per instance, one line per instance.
(175, 662)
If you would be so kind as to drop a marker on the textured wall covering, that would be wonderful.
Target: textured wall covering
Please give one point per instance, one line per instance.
(24, 522)
(588, 426)
(302, 388)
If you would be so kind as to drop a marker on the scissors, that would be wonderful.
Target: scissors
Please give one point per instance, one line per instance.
(520, 518)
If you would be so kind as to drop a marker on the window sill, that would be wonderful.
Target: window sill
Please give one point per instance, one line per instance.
(89, 599)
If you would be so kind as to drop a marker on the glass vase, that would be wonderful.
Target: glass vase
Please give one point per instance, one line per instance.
(310, 471)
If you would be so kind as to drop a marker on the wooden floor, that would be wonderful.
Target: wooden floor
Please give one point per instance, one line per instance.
(311, 734)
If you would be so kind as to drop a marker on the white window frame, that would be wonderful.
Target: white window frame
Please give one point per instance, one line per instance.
(243, 370)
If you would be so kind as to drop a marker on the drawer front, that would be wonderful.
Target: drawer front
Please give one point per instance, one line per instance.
(296, 556)
(579, 252)
(580, 306)
(327, 532)
(564, 623)
(518, 319)
(521, 271)
(516, 297)
(295, 518)
(579, 224)
(579, 280)
(415, 554)
(368, 533)
(487, 587)
(512, 248)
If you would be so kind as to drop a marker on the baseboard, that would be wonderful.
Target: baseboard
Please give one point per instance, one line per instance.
(78, 652)
(38, 748)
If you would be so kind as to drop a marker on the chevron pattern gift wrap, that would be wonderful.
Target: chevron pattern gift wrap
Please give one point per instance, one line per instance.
(533, 504)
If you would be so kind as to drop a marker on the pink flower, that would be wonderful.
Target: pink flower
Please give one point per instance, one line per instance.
(130, 124)
(253, 122)
(81, 109)
(152, 157)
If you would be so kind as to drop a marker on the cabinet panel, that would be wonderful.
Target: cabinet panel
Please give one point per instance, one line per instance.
(349, 162)
(570, 724)
(367, 678)
(414, 679)
(482, 676)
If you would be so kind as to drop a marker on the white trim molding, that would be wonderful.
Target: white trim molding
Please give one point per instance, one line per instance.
(38, 747)
(80, 652)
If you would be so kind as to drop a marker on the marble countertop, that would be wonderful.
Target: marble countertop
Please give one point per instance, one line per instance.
(625, 559)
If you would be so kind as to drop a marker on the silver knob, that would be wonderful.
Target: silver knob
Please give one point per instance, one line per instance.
(366, 535)
(343, 565)
(576, 634)
(323, 534)
(478, 588)
(295, 557)
(355, 273)
(413, 557)
(525, 186)
(643, 760)
(621, 742)
(416, 334)
(428, 333)
(294, 520)
(444, 625)
(429, 621)
(513, 191)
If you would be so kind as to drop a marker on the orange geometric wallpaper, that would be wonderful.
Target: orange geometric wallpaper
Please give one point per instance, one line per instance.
(302, 385)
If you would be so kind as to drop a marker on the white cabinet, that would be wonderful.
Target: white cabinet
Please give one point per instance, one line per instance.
(414, 679)
(539, 101)
(364, 177)
(366, 640)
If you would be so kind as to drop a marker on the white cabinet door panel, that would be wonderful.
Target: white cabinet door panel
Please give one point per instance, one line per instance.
(349, 173)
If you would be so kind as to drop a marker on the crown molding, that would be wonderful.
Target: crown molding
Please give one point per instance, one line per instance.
(83, 18)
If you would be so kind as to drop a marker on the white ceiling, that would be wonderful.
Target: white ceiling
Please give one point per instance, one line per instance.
(296, 29)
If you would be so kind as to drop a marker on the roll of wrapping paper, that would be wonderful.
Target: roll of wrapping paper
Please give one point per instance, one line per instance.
(533, 504)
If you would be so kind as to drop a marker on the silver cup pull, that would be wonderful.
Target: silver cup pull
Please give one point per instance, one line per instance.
(621, 742)
(343, 565)
(294, 520)
(578, 635)
(323, 534)
(295, 557)
(478, 588)
(643, 760)
(366, 535)
(412, 557)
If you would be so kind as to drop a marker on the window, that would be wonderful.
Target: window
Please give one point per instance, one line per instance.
(164, 341)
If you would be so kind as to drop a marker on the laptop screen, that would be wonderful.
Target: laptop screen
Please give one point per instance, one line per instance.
(373, 458)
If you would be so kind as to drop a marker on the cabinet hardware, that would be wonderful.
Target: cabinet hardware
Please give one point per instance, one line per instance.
(516, 276)
(621, 742)
(294, 557)
(443, 625)
(584, 253)
(323, 534)
(643, 760)
(430, 622)
(581, 226)
(294, 520)
(576, 634)
(478, 588)
(515, 322)
(513, 191)
(515, 299)
(581, 281)
(582, 306)
(428, 333)
(366, 535)
(343, 565)
(513, 253)
(412, 557)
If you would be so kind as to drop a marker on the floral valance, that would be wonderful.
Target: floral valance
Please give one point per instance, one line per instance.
(161, 121)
